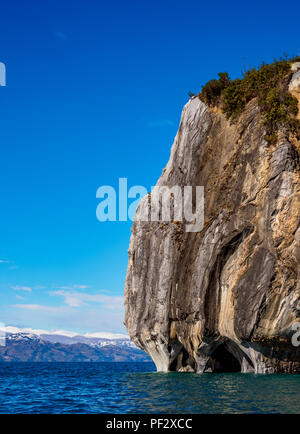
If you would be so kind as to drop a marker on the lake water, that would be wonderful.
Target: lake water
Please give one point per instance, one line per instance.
(136, 388)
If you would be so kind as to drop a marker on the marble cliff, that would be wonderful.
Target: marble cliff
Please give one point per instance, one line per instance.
(225, 298)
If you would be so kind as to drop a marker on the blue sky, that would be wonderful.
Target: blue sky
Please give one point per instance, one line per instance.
(94, 93)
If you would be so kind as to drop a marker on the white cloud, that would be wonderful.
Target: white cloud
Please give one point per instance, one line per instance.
(60, 35)
(41, 308)
(75, 309)
(88, 320)
(77, 299)
(11, 265)
(74, 287)
(26, 288)
(22, 288)
(70, 299)
(105, 335)
(161, 123)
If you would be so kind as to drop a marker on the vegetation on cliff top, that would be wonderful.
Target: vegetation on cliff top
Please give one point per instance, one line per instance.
(269, 84)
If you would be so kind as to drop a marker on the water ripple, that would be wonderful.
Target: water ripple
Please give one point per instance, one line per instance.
(135, 388)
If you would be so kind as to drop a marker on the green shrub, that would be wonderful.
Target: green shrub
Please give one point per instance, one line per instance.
(212, 91)
(269, 84)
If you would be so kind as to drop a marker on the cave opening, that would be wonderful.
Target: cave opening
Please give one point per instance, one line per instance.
(184, 361)
(222, 360)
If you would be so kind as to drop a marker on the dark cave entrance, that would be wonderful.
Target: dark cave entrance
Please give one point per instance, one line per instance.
(183, 361)
(222, 360)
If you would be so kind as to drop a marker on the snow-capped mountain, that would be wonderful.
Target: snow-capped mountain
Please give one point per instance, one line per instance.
(42, 345)
(22, 337)
(100, 339)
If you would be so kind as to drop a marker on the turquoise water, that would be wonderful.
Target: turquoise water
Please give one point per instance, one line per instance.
(135, 388)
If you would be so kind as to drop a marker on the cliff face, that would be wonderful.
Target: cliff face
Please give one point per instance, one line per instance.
(225, 298)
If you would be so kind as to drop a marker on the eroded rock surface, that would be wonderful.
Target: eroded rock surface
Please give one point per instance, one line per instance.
(294, 86)
(225, 298)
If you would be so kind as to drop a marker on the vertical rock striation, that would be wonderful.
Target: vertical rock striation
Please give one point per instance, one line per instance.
(225, 298)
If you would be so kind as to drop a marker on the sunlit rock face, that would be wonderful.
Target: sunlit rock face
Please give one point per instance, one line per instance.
(294, 86)
(225, 298)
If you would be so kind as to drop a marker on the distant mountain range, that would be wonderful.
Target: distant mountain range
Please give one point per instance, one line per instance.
(43, 346)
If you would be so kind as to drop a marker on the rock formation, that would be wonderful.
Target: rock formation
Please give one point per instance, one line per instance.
(225, 298)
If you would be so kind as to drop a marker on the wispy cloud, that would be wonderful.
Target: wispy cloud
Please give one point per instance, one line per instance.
(65, 317)
(27, 288)
(161, 123)
(41, 308)
(74, 287)
(60, 35)
(13, 267)
(76, 308)
(77, 299)
(22, 288)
